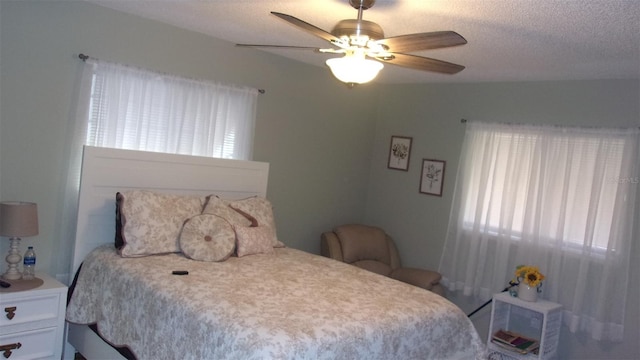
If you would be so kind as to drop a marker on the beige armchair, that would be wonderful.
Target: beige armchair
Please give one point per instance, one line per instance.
(370, 248)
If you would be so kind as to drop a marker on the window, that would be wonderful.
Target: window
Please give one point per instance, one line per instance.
(561, 183)
(559, 198)
(136, 109)
(129, 108)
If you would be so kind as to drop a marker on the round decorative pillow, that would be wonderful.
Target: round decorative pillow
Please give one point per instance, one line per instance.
(207, 237)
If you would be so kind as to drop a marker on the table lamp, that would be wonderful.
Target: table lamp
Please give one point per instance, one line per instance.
(17, 219)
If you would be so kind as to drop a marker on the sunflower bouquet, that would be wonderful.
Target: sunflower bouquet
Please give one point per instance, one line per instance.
(529, 275)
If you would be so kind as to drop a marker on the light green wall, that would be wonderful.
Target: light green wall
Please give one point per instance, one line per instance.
(327, 145)
(315, 132)
(431, 115)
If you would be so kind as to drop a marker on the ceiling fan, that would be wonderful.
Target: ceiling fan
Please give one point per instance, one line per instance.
(361, 40)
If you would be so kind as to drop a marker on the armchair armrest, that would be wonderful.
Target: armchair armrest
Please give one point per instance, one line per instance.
(426, 279)
(330, 246)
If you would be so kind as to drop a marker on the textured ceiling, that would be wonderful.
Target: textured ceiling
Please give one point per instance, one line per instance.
(508, 40)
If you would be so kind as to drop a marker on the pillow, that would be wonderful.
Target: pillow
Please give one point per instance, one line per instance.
(219, 207)
(260, 211)
(207, 237)
(254, 240)
(150, 222)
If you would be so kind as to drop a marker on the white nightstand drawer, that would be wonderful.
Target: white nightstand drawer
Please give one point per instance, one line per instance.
(21, 313)
(34, 344)
(35, 319)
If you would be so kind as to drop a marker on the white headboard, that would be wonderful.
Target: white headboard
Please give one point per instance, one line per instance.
(106, 171)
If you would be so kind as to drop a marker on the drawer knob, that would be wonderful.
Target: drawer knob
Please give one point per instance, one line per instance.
(11, 312)
(6, 349)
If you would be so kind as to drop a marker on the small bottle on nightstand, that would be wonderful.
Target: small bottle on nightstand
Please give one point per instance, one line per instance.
(29, 264)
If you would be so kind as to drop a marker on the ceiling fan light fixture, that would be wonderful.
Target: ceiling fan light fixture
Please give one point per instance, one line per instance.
(361, 40)
(352, 69)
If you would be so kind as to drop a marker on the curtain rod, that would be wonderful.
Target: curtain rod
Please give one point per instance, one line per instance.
(84, 57)
(464, 121)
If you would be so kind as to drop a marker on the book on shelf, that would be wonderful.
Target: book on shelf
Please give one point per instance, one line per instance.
(515, 342)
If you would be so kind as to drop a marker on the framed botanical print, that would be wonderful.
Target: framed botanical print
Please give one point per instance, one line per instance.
(432, 177)
(399, 153)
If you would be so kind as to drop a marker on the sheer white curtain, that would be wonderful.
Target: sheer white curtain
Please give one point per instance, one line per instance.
(137, 109)
(125, 107)
(559, 198)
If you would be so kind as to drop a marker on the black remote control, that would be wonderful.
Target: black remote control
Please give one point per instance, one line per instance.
(180, 272)
(4, 284)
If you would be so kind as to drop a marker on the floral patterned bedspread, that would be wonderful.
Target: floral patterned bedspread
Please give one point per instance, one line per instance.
(291, 305)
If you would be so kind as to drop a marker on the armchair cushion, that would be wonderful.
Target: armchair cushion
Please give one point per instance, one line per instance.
(425, 279)
(374, 266)
(361, 242)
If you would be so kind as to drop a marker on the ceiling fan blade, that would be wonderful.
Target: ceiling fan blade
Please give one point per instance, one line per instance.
(280, 47)
(422, 63)
(306, 26)
(422, 41)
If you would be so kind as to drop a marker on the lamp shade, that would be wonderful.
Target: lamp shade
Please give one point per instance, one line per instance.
(354, 69)
(18, 219)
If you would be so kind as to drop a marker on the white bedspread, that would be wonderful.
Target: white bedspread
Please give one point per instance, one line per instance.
(291, 305)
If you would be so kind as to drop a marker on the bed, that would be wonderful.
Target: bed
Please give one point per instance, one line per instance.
(277, 303)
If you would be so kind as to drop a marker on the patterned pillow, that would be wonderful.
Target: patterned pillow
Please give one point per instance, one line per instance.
(258, 209)
(150, 222)
(207, 237)
(219, 207)
(254, 240)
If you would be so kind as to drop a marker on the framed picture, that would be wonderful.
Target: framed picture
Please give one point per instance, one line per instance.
(399, 153)
(432, 177)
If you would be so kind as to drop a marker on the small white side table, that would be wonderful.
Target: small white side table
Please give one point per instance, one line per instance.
(32, 321)
(540, 320)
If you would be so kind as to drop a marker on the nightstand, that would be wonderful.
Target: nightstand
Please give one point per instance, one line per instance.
(32, 321)
(539, 320)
